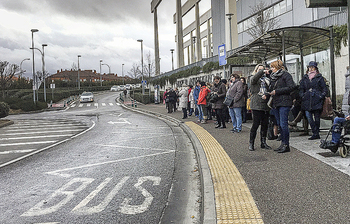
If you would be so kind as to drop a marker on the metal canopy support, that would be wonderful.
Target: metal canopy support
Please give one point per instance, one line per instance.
(331, 49)
(283, 47)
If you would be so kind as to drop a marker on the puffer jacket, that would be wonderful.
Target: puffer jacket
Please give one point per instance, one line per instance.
(202, 100)
(283, 87)
(220, 89)
(312, 92)
(237, 92)
(256, 102)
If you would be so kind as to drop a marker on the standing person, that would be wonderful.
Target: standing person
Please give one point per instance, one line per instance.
(245, 96)
(191, 100)
(190, 110)
(183, 100)
(171, 100)
(219, 89)
(313, 90)
(281, 86)
(202, 102)
(164, 98)
(258, 105)
(236, 91)
(196, 91)
(209, 106)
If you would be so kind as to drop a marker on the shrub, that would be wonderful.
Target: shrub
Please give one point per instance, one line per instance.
(4, 109)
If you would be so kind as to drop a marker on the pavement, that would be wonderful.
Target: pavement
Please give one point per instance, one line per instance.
(306, 185)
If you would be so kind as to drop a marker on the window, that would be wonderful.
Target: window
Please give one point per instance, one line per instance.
(289, 5)
(283, 7)
(276, 10)
(240, 27)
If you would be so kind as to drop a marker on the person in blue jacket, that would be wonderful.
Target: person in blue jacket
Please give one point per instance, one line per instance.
(196, 91)
(313, 90)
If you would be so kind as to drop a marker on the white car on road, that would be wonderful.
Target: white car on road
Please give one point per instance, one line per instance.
(87, 97)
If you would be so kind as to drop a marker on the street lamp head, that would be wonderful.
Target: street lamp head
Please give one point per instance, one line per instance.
(229, 14)
(100, 61)
(172, 50)
(140, 40)
(27, 59)
(44, 45)
(79, 56)
(34, 30)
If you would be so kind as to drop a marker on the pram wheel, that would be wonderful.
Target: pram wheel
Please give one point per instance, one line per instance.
(343, 150)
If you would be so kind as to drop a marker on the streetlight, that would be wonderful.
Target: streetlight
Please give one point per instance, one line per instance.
(20, 66)
(149, 78)
(33, 31)
(123, 74)
(100, 73)
(194, 48)
(172, 58)
(229, 19)
(143, 87)
(109, 68)
(44, 76)
(79, 72)
(43, 69)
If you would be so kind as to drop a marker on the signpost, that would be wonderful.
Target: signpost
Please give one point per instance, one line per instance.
(52, 86)
(222, 57)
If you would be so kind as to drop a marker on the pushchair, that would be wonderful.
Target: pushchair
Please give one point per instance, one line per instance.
(343, 145)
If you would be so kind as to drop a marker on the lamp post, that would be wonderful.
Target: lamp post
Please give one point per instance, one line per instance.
(109, 68)
(149, 78)
(143, 87)
(20, 66)
(194, 48)
(172, 58)
(33, 31)
(100, 73)
(78, 73)
(123, 74)
(43, 65)
(229, 21)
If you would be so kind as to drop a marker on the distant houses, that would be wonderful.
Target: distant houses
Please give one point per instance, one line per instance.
(86, 76)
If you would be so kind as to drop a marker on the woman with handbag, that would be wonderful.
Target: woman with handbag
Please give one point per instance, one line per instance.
(313, 90)
(235, 108)
(258, 105)
(219, 89)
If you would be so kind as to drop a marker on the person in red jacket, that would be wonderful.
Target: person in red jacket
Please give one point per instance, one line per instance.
(202, 102)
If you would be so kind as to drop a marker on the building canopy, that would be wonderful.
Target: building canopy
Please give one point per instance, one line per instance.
(289, 40)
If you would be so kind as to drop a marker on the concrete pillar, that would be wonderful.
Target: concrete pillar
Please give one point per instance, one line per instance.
(192, 49)
(209, 39)
(156, 42)
(179, 35)
(198, 34)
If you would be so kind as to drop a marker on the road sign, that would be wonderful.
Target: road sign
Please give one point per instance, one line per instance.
(222, 55)
(52, 86)
(144, 82)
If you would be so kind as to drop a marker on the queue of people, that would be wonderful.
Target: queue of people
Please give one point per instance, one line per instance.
(271, 92)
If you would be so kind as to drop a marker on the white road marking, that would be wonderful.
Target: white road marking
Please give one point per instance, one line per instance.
(30, 137)
(26, 143)
(41, 132)
(118, 104)
(73, 105)
(81, 105)
(96, 104)
(134, 147)
(103, 104)
(88, 105)
(57, 172)
(40, 128)
(16, 151)
(126, 208)
(111, 104)
(122, 121)
(82, 209)
(63, 193)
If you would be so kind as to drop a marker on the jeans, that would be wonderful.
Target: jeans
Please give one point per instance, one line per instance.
(281, 114)
(236, 117)
(337, 129)
(314, 118)
(200, 112)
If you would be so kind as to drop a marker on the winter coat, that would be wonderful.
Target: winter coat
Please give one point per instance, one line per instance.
(236, 91)
(203, 95)
(196, 91)
(171, 95)
(283, 87)
(220, 89)
(183, 98)
(312, 92)
(256, 102)
(191, 99)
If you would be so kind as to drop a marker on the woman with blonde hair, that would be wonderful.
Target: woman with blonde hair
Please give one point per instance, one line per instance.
(281, 86)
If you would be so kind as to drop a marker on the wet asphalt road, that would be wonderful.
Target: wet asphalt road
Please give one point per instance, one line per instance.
(121, 171)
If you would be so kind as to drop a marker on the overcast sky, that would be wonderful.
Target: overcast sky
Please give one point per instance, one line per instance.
(104, 29)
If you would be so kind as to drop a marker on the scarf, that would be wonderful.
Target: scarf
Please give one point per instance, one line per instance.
(312, 74)
(276, 75)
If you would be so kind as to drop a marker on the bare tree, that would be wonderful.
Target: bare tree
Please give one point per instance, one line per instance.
(7, 71)
(149, 66)
(262, 20)
(135, 71)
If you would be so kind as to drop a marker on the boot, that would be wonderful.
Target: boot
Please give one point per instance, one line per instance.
(279, 148)
(297, 119)
(284, 149)
(263, 143)
(251, 141)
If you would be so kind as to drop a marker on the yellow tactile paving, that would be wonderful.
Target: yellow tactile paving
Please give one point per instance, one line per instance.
(234, 202)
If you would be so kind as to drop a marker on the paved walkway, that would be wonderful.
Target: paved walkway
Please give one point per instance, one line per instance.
(265, 186)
